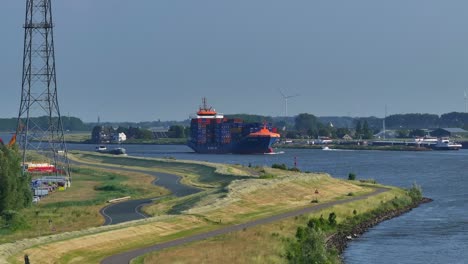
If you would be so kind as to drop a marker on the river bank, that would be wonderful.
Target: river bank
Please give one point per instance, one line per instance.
(353, 147)
(340, 240)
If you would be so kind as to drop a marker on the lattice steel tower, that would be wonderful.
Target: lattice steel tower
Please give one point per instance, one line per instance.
(40, 126)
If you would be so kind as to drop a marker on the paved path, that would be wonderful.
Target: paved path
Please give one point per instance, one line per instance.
(130, 210)
(126, 257)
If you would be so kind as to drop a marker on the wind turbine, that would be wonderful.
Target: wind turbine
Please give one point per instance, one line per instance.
(286, 97)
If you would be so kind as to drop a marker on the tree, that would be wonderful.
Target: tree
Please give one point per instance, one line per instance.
(146, 134)
(417, 133)
(358, 129)
(177, 131)
(403, 133)
(366, 132)
(14, 187)
(309, 246)
(341, 132)
(306, 122)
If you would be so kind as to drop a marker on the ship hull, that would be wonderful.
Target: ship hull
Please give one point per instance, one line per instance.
(247, 145)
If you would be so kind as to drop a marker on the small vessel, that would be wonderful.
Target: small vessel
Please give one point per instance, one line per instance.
(446, 144)
(101, 148)
(114, 151)
(211, 132)
(325, 148)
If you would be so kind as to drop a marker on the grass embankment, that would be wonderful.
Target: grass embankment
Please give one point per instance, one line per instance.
(273, 243)
(229, 203)
(199, 174)
(257, 193)
(77, 137)
(78, 207)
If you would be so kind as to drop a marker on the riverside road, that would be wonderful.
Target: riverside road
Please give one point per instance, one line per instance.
(130, 210)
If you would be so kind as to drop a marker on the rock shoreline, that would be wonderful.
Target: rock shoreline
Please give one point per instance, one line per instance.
(340, 240)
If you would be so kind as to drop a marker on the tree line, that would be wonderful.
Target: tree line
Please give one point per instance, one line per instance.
(69, 123)
(104, 134)
(15, 191)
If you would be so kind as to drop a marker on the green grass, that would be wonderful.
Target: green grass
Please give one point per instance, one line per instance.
(195, 174)
(77, 207)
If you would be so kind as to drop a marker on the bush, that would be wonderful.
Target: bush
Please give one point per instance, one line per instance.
(110, 187)
(295, 169)
(332, 219)
(14, 221)
(309, 245)
(415, 192)
(279, 166)
(267, 176)
(372, 181)
(351, 176)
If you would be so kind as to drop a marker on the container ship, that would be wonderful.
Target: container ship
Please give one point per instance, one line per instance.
(211, 132)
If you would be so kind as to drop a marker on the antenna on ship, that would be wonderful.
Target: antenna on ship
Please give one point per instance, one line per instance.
(205, 105)
(285, 98)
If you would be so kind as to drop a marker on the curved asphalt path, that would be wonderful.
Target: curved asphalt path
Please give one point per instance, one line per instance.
(130, 210)
(126, 257)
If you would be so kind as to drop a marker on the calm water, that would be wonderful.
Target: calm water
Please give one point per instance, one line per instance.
(433, 233)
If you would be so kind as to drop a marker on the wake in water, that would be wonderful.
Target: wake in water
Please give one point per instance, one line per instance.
(274, 153)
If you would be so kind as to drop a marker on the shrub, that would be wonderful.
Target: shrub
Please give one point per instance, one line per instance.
(110, 187)
(332, 219)
(14, 221)
(267, 176)
(415, 192)
(372, 181)
(309, 245)
(350, 194)
(351, 176)
(295, 169)
(279, 166)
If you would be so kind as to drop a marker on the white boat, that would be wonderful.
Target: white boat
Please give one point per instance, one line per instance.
(115, 151)
(326, 148)
(446, 144)
(101, 148)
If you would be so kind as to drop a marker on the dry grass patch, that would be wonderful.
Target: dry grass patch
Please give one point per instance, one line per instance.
(253, 198)
(91, 248)
(259, 244)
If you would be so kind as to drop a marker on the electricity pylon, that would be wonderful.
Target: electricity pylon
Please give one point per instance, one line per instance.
(39, 128)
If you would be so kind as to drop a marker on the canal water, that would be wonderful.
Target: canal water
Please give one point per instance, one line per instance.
(432, 233)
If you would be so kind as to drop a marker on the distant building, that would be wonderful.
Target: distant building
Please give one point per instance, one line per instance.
(119, 137)
(449, 132)
(160, 132)
(347, 137)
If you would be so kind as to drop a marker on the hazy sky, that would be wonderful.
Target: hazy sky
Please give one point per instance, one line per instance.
(149, 59)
